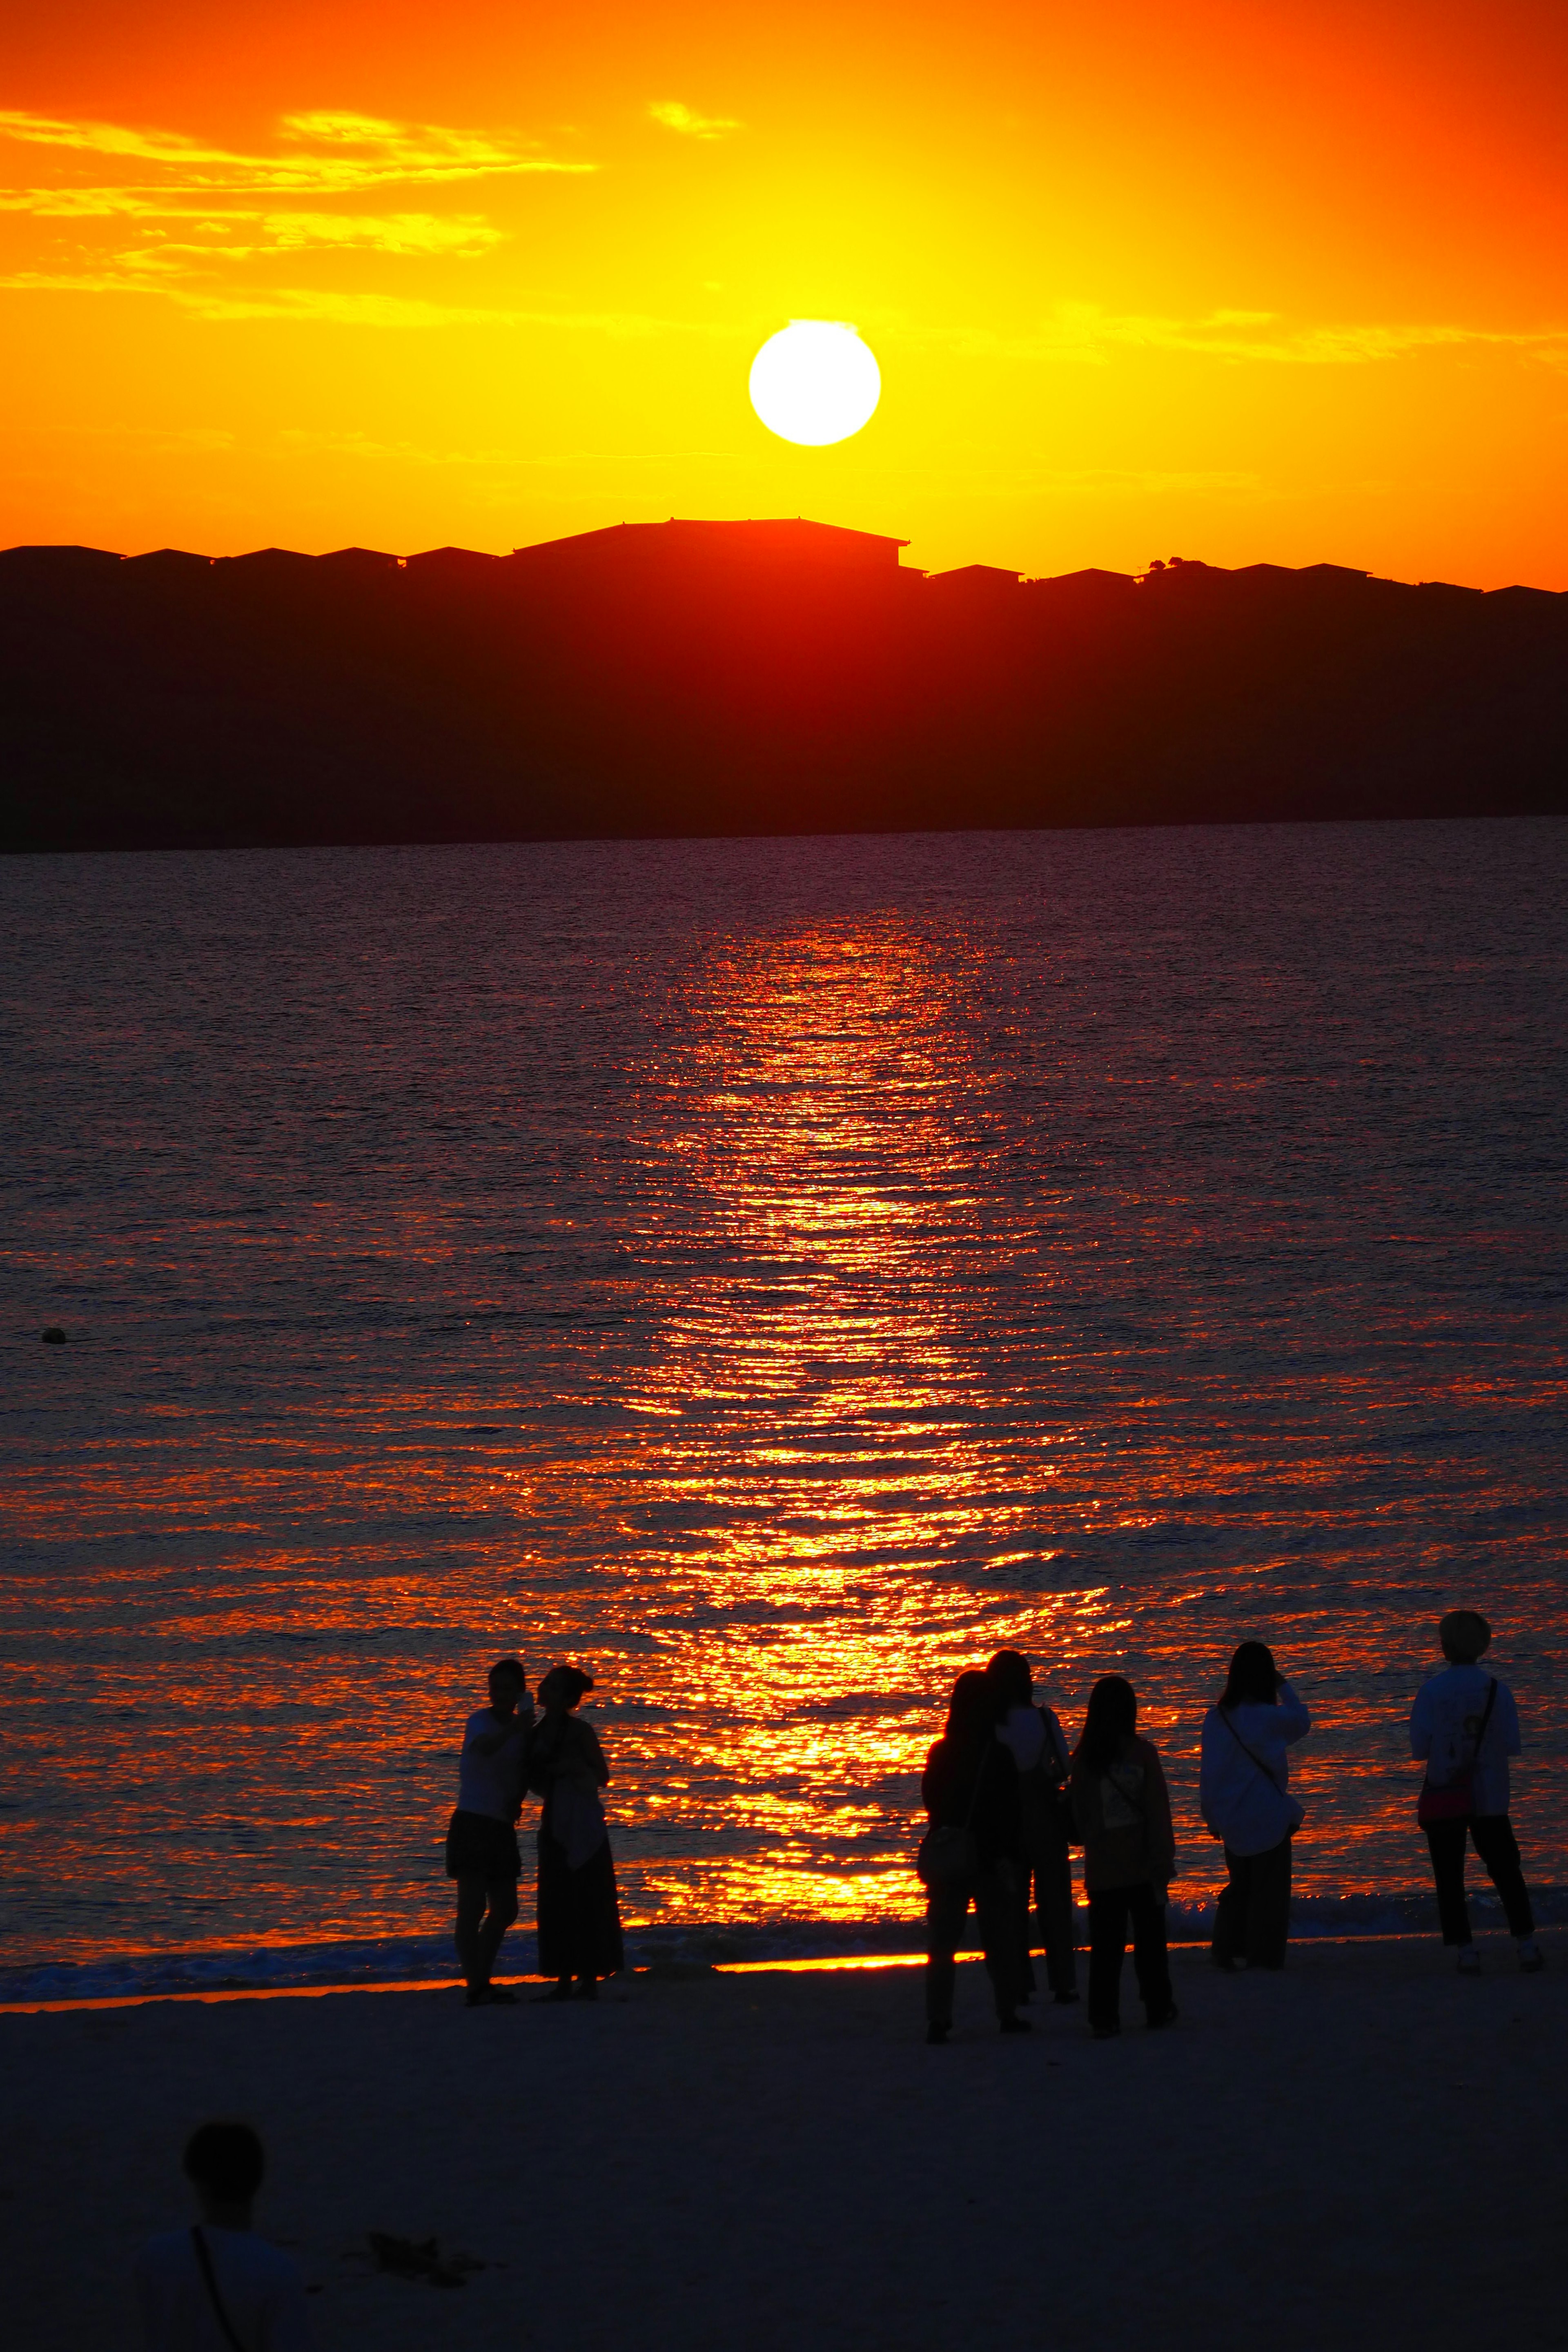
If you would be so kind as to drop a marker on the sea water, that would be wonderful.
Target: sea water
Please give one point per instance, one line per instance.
(774, 1275)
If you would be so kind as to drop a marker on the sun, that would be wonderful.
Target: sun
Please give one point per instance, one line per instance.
(815, 382)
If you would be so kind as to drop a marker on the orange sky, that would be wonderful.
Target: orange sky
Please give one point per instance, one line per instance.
(1248, 279)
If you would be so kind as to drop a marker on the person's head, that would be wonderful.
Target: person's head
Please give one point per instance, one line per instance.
(508, 1682)
(973, 1709)
(565, 1687)
(1112, 1716)
(1464, 1635)
(1008, 1675)
(1253, 1679)
(224, 2163)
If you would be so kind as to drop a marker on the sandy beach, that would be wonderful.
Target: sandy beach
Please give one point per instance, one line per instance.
(1362, 2151)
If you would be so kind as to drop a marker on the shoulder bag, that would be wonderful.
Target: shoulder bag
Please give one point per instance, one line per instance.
(1455, 1800)
(951, 1858)
(1272, 1777)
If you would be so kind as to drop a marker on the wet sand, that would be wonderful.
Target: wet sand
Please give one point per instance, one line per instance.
(1364, 2151)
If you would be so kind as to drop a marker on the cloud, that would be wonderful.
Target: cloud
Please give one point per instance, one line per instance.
(1081, 332)
(267, 231)
(324, 153)
(689, 124)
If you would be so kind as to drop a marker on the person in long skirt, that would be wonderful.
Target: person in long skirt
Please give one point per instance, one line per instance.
(971, 1854)
(1244, 1798)
(1123, 1815)
(1040, 1751)
(578, 1915)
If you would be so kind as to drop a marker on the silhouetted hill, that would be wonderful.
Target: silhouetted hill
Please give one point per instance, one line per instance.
(746, 677)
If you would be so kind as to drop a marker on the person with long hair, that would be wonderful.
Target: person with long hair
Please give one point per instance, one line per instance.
(579, 1916)
(971, 1854)
(1244, 1798)
(1034, 1733)
(1123, 1815)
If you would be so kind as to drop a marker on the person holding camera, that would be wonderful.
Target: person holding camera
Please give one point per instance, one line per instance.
(1464, 1727)
(1244, 1798)
(481, 1839)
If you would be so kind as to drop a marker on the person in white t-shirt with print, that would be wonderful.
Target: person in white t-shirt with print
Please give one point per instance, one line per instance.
(481, 1838)
(1464, 1727)
(218, 2287)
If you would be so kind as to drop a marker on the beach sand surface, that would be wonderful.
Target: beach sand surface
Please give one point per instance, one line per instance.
(1362, 2151)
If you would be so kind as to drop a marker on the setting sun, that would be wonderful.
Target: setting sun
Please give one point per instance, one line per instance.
(815, 382)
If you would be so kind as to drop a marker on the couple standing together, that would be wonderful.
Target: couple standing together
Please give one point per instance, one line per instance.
(509, 1753)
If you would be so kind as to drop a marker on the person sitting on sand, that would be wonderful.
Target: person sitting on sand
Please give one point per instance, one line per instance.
(482, 1840)
(579, 1916)
(1246, 1801)
(1123, 1816)
(1465, 1727)
(1039, 1750)
(218, 2287)
(972, 1852)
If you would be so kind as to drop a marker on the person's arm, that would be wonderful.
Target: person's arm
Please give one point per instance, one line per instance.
(1162, 1829)
(1085, 1788)
(1421, 1727)
(515, 1726)
(594, 1755)
(1058, 1738)
(1294, 1720)
(1209, 1770)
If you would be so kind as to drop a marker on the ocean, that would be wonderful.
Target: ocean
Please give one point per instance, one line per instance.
(774, 1275)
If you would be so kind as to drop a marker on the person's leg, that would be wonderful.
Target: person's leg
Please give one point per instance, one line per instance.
(1053, 1890)
(1022, 1880)
(1230, 1911)
(471, 1893)
(1498, 1850)
(946, 1910)
(1150, 1960)
(1447, 1840)
(1107, 1946)
(997, 1904)
(1269, 1908)
(500, 1910)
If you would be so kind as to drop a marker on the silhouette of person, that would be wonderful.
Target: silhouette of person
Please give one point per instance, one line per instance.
(1244, 1798)
(1039, 1750)
(971, 1853)
(218, 2284)
(481, 1839)
(1123, 1816)
(1464, 1726)
(579, 1916)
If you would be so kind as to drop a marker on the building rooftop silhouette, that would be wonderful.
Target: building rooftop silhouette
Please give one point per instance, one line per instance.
(628, 549)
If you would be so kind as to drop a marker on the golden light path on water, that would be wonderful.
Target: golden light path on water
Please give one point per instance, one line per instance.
(778, 1274)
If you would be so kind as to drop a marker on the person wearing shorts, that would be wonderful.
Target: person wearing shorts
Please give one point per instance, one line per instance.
(481, 1839)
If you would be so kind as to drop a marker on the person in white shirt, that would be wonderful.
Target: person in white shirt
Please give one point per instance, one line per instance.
(1464, 1726)
(1244, 1798)
(218, 2287)
(481, 1839)
(1040, 1751)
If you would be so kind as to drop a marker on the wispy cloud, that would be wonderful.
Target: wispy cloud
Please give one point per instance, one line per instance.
(321, 153)
(1080, 332)
(690, 123)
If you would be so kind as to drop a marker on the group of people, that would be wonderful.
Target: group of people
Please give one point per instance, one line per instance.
(1008, 1801)
(509, 1753)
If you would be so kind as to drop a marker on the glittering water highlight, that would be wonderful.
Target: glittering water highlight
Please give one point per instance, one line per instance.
(777, 1274)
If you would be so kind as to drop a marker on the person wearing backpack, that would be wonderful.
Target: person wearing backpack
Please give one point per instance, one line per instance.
(1464, 1727)
(1244, 1796)
(1040, 1752)
(971, 1853)
(1123, 1815)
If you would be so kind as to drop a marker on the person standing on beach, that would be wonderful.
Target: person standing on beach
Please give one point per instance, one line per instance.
(579, 1916)
(1039, 1750)
(1465, 1727)
(1123, 1815)
(972, 1852)
(218, 2287)
(1246, 1801)
(481, 1839)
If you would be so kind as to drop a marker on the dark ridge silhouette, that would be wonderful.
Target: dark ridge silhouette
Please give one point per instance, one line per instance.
(747, 678)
